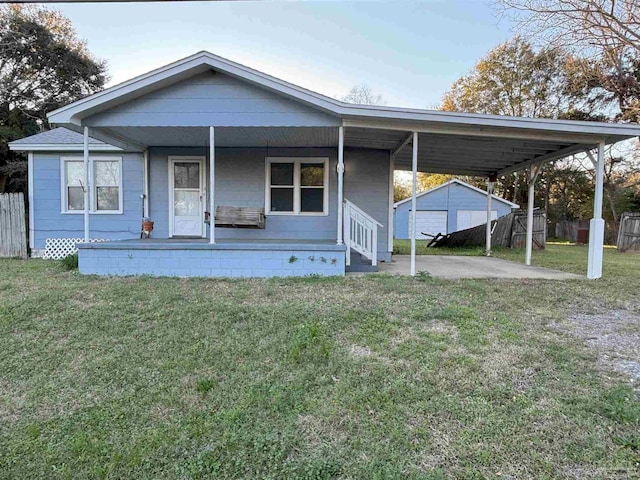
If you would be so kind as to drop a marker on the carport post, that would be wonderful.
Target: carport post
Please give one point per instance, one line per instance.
(212, 184)
(596, 225)
(490, 181)
(532, 184)
(390, 216)
(86, 184)
(414, 186)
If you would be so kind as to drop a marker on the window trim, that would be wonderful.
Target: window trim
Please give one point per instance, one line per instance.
(64, 203)
(297, 188)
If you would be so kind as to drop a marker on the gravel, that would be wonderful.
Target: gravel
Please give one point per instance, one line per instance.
(615, 334)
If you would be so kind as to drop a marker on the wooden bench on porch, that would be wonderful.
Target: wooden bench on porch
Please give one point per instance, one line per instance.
(238, 217)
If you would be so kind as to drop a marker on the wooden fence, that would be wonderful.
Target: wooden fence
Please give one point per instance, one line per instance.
(13, 230)
(519, 230)
(629, 232)
(573, 230)
(508, 231)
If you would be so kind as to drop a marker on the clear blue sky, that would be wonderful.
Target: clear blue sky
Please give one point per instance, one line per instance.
(410, 52)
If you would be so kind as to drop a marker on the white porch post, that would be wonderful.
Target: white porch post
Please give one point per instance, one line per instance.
(390, 226)
(87, 187)
(145, 183)
(212, 184)
(30, 197)
(488, 229)
(532, 184)
(340, 238)
(596, 226)
(414, 187)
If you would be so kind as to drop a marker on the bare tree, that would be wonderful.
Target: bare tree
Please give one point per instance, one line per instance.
(363, 95)
(606, 33)
(578, 25)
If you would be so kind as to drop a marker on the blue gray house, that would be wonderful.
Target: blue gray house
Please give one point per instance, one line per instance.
(244, 174)
(452, 206)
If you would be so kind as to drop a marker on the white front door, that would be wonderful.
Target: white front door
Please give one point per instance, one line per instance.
(186, 196)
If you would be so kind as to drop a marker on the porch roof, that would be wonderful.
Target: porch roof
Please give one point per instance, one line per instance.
(449, 142)
(478, 153)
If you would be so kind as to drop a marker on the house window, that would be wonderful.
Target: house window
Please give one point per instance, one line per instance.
(297, 186)
(106, 180)
(106, 192)
(75, 179)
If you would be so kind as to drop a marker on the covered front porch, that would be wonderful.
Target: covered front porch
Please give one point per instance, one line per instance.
(316, 195)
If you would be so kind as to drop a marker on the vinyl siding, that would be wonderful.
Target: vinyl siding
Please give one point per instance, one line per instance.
(212, 99)
(240, 182)
(366, 183)
(49, 222)
(451, 199)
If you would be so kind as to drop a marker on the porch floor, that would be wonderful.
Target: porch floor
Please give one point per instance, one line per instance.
(221, 244)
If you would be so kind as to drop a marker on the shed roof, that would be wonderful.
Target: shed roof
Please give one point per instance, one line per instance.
(463, 184)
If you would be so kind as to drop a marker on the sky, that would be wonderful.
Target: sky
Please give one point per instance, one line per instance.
(410, 52)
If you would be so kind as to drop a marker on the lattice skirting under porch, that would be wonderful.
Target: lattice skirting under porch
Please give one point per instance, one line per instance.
(58, 248)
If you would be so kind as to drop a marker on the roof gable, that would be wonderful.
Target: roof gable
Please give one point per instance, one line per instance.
(176, 72)
(455, 181)
(212, 98)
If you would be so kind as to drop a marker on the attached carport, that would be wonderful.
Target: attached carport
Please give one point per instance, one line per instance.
(486, 146)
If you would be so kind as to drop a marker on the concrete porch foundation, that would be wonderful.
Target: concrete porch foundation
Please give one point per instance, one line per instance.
(198, 258)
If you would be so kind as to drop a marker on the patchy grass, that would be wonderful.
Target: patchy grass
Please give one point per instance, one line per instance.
(364, 377)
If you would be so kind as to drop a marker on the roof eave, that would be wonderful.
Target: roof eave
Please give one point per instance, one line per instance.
(61, 147)
(489, 125)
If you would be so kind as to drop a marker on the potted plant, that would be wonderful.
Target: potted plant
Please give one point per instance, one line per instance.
(147, 227)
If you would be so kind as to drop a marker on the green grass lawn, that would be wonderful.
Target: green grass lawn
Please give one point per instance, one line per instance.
(370, 377)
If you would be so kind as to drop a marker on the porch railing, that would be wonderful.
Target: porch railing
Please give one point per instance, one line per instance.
(360, 232)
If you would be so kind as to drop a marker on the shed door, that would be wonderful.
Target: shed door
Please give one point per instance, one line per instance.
(429, 221)
(472, 218)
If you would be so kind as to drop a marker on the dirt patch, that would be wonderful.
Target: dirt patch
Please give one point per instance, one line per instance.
(359, 351)
(615, 334)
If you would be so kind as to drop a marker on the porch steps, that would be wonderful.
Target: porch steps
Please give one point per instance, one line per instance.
(360, 264)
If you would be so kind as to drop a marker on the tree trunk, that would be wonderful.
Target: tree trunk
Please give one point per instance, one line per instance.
(516, 184)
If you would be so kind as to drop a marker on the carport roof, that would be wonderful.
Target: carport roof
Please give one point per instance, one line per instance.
(448, 142)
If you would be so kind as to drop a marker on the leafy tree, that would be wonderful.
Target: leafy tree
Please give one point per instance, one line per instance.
(43, 65)
(402, 183)
(514, 79)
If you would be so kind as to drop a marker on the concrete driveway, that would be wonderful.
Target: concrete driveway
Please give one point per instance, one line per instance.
(456, 267)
